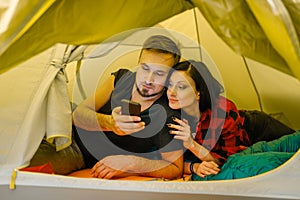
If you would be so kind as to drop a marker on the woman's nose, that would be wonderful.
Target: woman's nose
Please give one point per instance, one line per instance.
(172, 91)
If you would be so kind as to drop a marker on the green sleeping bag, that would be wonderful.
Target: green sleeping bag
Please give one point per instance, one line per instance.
(259, 158)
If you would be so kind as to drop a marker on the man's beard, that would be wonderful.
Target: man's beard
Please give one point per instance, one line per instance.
(144, 93)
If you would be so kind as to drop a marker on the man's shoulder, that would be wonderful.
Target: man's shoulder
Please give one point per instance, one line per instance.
(122, 74)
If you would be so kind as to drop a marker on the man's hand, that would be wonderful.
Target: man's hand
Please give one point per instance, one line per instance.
(125, 124)
(112, 166)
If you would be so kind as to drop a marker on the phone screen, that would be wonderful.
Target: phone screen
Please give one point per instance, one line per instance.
(130, 108)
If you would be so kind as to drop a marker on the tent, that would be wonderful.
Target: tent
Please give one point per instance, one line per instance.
(44, 43)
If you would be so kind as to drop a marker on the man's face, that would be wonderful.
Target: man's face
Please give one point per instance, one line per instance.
(152, 72)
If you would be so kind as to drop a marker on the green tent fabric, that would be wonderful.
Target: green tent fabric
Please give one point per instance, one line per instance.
(257, 159)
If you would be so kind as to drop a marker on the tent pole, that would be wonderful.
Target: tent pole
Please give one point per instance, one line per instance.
(198, 34)
(252, 81)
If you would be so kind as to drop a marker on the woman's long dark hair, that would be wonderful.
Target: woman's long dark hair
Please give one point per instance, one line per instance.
(209, 88)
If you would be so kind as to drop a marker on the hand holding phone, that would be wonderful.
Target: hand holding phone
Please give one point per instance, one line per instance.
(130, 108)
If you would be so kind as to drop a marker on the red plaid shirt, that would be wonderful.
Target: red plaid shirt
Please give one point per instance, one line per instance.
(220, 130)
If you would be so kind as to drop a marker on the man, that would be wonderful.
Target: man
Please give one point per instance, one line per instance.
(116, 145)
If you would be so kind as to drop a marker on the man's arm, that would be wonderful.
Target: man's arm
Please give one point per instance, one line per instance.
(85, 115)
(170, 167)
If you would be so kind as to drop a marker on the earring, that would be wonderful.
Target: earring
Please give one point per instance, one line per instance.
(198, 95)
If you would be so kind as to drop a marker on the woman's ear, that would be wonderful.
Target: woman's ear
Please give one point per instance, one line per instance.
(198, 96)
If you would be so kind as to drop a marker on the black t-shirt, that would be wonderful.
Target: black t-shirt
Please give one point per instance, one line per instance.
(155, 138)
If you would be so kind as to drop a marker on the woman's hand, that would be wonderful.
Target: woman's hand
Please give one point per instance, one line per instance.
(125, 124)
(206, 168)
(182, 132)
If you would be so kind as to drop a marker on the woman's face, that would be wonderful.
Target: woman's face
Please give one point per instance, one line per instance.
(182, 93)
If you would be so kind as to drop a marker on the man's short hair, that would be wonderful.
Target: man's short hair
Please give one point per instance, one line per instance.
(163, 44)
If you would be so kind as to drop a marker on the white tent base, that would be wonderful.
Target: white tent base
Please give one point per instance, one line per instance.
(50, 193)
(279, 183)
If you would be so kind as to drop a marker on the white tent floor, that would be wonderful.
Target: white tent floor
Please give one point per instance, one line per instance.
(280, 183)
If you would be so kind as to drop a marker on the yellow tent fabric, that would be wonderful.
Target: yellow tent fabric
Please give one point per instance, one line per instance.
(35, 104)
(255, 29)
(284, 39)
(249, 28)
(37, 25)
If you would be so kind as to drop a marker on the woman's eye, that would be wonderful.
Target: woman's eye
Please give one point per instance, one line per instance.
(181, 87)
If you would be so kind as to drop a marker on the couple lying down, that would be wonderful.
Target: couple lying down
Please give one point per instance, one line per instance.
(208, 129)
(258, 158)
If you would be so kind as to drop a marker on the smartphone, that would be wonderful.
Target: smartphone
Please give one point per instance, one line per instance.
(130, 108)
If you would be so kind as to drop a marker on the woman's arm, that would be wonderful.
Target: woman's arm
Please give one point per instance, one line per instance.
(202, 169)
(182, 132)
(209, 164)
(201, 152)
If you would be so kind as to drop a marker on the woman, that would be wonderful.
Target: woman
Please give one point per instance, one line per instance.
(218, 125)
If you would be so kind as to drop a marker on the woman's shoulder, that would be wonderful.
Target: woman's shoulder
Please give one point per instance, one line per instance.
(226, 104)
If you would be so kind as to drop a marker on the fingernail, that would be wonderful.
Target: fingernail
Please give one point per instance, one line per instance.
(169, 125)
(174, 118)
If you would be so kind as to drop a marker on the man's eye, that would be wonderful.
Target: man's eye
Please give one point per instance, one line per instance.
(160, 73)
(144, 67)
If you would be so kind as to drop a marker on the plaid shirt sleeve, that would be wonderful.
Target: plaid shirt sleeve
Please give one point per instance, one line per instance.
(220, 130)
